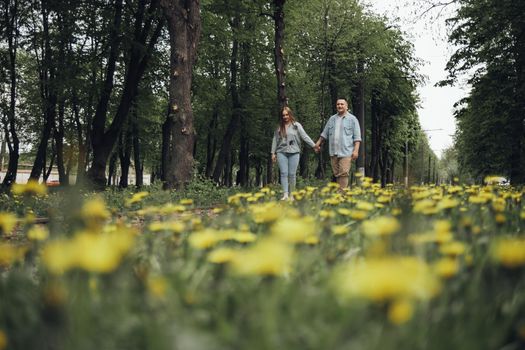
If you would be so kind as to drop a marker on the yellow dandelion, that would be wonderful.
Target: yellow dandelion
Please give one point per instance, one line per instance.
(94, 210)
(31, 188)
(204, 239)
(269, 257)
(400, 311)
(381, 226)
(137, 197)
(7, 223)
(365, 206)
(453, 248)
(3, 340)
(340, 229)
(221, 255)
(500, 218)
(326, 214)
(386, 278)
(38, 233)
(186, 201)
(509, 252)
(294, 230)
(10, 254)
(446, 267)
(157, 286)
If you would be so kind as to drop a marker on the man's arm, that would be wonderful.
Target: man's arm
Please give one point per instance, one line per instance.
(355, 153)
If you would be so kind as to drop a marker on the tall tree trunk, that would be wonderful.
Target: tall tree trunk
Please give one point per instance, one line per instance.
(184, 24)
(211, 141)
(63, 178)
(9, 120)
(244, 150)
(112, 168)
(124, 153)
(233, 124)
(279, 62)
(359, 111)
(139, 168)
(139, 59)
(375, 142)
(48, 92)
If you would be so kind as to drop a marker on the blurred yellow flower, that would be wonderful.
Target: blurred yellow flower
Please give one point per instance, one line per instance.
(362, 205)
(186, 201)
(157, 286)
(31, 188)
(453, 248)
(38, 233)
(326, 213)
(294, 230)
(7, 223)
(358, 215)
(137, 197)
(244, 237)
(204, 239)
(221, 255)
(99, 253)
(500, 218)
(10, 253)
(446, 267)
(269, 257)
(388, 278)
(3, 340)
(94, 211)
(265, 212)
(172, 226)
(400, 311)
(340, 229)
(509, 252)
(381, 226)
(447, 203)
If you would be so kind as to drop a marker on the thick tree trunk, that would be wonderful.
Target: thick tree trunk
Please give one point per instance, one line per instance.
(279, 62)
(9, 121)
(184, 24)
(48, 92)
(112, 169)
(97, 171)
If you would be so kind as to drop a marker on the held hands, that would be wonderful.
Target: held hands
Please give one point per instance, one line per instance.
(317, 148)
(274, 158)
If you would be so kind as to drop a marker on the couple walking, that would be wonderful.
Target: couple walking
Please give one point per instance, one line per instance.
(342, 132)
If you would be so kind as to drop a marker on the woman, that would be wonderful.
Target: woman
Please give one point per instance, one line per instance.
(286, 148)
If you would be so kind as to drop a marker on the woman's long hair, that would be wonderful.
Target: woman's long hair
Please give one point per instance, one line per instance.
(282, 124)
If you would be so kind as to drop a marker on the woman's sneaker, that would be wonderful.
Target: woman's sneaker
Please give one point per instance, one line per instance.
(285, 197)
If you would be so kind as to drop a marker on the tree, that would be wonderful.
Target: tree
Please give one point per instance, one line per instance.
(184, 26)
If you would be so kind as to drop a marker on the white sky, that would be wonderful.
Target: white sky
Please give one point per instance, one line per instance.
(430, 44)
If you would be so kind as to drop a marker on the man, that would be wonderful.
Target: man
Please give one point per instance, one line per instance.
(344, 137)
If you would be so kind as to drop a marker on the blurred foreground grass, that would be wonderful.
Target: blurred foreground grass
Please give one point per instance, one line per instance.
(367, 268)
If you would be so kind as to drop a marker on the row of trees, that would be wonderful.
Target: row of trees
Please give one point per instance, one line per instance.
(86, 85)
(490, 36)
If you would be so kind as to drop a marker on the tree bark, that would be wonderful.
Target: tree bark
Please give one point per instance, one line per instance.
(184, 24)
(48, 92)
(139, 168)
(9, 120)
(124, 153)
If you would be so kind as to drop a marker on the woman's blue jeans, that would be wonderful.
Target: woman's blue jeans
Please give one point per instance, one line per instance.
(288, 163)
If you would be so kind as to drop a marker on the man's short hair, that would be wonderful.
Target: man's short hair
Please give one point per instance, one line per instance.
(342, 98)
